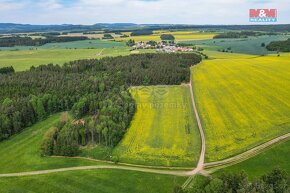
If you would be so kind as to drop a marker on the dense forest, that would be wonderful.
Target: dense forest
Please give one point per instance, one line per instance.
(166, 37)
(141, 32)
(28, 41)
(94, 88)
(277, 181)
(282, 46)
(242, 34)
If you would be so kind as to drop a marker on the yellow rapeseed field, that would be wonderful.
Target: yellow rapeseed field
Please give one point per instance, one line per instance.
(242, 101)
(163, 131)
(179, 36)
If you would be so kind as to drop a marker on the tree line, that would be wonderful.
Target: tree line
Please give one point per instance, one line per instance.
(141, 32)
(242, 34)
(282, 46)
(95, 91)
(28, 41)
(276, 181)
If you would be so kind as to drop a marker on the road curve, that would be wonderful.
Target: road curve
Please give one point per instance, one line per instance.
(147, 170)
(213, 166)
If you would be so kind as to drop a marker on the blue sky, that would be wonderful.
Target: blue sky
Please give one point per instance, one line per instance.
(136, 11)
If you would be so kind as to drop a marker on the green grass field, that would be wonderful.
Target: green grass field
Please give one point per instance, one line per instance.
(276, 156)
(251, 45)
(163, 130)
(23, 59)
(83, 44)
(22, 152)
(100, 181)
(242, 102)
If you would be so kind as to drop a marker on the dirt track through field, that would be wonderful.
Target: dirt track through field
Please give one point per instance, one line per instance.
(213, 166)
(200, 163)
(224, 163)
(147, 170)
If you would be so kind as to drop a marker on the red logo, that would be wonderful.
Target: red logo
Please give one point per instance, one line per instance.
(263, 15)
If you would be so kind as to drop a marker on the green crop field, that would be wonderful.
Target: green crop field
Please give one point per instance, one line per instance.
(22, 152)
(163, 130)
(23, 59)
(243, 102)
(101, 181)
(71, 45)
(276, 156)
(179, 36)
(251, 45)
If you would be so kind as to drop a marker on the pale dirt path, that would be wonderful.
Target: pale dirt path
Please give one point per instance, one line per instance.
(147, 170)
(100, 53)
(200, 164)
(213, 166)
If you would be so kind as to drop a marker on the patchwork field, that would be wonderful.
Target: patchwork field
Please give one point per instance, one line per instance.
(277, 156)
(251, 45)
(113, 181)
(23, 59)
(242, 102)
(179, 36)
(163, 130)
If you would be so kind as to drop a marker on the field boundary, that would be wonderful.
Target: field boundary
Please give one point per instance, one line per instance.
(126, 164)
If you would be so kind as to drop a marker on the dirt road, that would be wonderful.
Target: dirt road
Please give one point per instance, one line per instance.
(213, 166)
(147, 170)
(200, 163)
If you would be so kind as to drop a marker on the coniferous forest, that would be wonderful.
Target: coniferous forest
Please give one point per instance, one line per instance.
(94, 91)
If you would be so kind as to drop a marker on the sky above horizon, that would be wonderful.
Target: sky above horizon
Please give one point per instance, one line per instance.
(137, 11)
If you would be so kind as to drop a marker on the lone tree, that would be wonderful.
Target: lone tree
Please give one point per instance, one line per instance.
(167, 37)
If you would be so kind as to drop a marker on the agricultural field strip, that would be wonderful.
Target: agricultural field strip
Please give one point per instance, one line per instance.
(154, 152)
(127, 164)
(213, 166)
(147, 170)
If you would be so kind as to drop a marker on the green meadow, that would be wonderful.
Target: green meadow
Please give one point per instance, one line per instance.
(21, 152)
(83, 44)
(276, 156)
(250, 45)
(23, 59)
(100, 181)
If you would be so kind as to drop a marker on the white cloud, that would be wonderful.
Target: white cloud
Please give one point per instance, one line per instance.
(144, 11)
(11, 5)
(50, 4)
